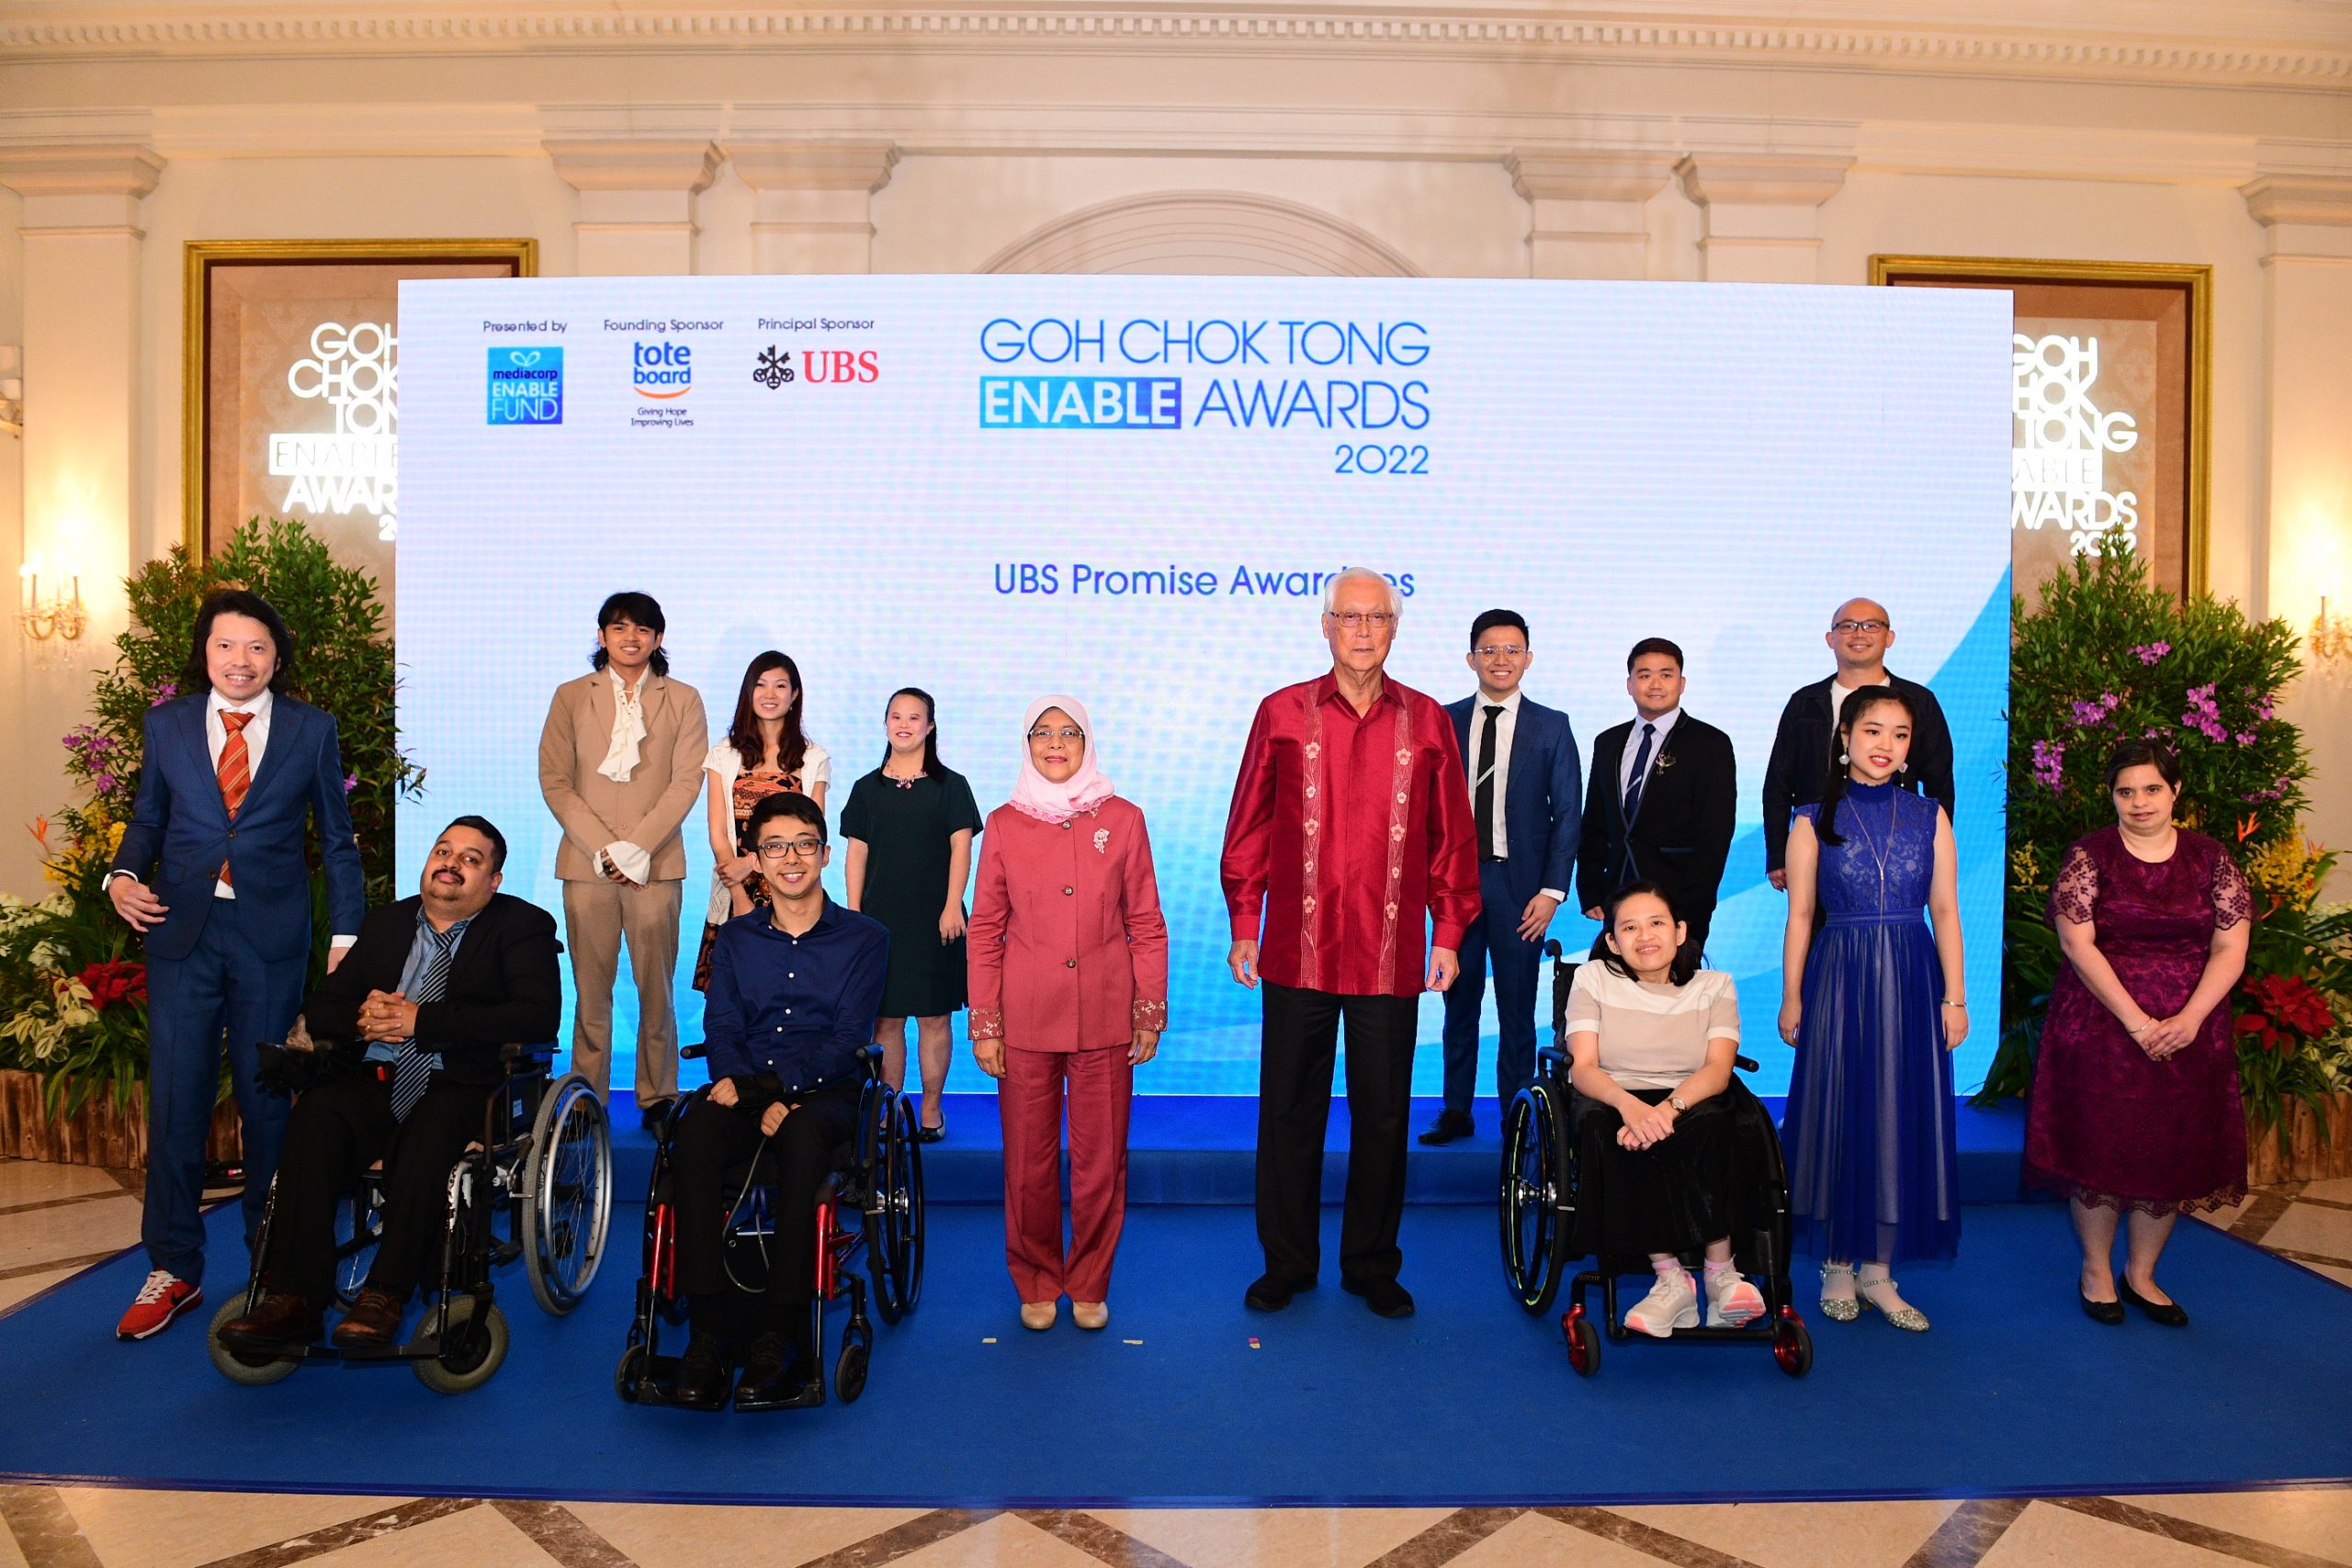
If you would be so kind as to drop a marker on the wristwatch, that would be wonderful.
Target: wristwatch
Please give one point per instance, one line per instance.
(1676, 1101)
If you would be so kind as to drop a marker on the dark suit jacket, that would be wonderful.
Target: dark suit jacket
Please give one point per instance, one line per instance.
(1680, 837)
(1542, 798)
(179, 831)
(503, 986)
(1799, 770)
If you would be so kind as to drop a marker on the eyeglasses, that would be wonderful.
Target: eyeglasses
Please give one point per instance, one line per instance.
(792, 848)
(1378, 620)
(1065, 732)
(1499, 650)
(1859, 626)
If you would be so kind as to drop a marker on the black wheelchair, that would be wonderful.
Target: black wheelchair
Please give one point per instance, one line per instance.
(877, 1176)
(1538, 1206)
(538, 1186)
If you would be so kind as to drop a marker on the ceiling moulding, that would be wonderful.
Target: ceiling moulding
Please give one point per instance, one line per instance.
(2194, 49)
(80, 171)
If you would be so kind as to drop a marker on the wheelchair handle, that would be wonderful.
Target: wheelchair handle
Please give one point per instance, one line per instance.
(695, 1053)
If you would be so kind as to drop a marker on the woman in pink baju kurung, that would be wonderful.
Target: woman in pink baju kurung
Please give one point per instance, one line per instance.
(1068, 968)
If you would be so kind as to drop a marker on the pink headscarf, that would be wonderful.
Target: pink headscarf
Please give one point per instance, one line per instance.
(1034, 794)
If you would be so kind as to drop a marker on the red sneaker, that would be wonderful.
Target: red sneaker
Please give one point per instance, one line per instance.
(162, 1298)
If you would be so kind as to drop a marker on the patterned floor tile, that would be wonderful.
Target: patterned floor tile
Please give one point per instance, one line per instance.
(1258, 1538)
(998, 1541)
(2047, 1536)
(2312, 1228)
(34, 1236)
(133, 1529)
(478, 1536)
(1798, 1534)
(660, 1536)
(2316, 1520)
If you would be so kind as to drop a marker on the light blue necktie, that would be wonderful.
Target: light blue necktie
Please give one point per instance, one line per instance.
(413, 1069)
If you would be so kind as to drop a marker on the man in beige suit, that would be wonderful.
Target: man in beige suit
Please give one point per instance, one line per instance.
(620, 764)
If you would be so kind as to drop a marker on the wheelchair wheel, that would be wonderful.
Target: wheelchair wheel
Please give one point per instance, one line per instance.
(566, 1194)
(848, 1372)
(1791, 1346)
(1527, 1204)
(472, 1349)
(898, 1260)
(629, 1374)
(1584, 1344)
(254, 1372)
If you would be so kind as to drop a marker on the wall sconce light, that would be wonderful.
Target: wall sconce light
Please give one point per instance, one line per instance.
(12, 391)
(58, 618)
(2330, 642)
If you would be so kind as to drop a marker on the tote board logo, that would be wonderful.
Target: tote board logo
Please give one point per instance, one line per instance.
(527, 385)
(663, 370)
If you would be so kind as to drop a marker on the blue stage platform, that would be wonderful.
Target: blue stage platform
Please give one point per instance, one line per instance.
(1201, 1149)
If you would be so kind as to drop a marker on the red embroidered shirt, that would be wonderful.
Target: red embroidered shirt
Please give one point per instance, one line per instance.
(1345, 831)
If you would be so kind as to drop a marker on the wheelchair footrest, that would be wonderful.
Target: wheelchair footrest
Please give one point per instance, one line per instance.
(659, 1383)
(803, 1397)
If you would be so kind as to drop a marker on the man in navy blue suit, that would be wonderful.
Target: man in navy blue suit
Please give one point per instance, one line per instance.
(212, 871)
(1526, 805)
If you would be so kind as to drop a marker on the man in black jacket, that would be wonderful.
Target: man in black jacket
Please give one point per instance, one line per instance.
(1860, 634)
(411, 1023)
(1658, 807)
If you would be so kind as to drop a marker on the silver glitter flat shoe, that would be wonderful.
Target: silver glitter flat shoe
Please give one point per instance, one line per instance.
(1908, 1318)
(1838, 1309)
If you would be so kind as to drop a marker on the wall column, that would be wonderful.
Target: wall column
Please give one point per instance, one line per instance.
(1763, 212)
(815, 211)
(637, 203)
(1588, 214)
(81, 239)
(2307, 321)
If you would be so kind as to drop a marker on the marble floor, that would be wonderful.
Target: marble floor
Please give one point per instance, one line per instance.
(57, 1219)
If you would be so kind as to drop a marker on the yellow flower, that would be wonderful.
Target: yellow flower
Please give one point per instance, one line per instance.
(2287, 869)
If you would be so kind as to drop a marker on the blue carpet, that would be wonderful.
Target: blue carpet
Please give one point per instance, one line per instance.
(1202, 1148)
(1470, 1403)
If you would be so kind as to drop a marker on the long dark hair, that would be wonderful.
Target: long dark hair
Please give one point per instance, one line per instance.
(792, 746)
(197, 678)
(930, 739)
(646, 611)
(1857, 703)
(2144, 755)
(1686, 963)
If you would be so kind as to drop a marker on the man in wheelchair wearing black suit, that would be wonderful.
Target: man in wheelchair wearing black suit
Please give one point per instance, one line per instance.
(409, 1029)
(795, 989)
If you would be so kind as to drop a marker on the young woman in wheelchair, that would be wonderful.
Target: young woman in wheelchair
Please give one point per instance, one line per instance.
(794, 987)
(1651, 1041)
(408, 1027)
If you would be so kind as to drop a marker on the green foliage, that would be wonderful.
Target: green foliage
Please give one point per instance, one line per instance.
(72, 997)
(2107, 658)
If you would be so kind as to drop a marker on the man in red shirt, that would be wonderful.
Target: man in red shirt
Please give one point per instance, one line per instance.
(1351, 824)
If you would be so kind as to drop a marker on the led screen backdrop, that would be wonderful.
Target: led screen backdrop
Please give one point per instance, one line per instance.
(1129, 489)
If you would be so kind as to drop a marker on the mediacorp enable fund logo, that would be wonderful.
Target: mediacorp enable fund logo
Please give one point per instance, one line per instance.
(527, 385)
(663, 370)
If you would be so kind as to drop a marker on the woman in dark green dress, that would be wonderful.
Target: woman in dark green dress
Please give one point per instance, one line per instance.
(909, 825)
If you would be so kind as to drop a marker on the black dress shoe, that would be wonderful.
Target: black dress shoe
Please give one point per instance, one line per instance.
(1272, 1292)
(763, 1368)
(932, 1134)
(702, 1374)
(779, 1374)
(2169, 1313)
(1450, 1126)
(280, 1321)
(2101, 1311)
(651, 1115)
(1387, 1298)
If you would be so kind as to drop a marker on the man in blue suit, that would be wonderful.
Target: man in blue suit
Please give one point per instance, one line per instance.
(1527, 806)
(212, 870)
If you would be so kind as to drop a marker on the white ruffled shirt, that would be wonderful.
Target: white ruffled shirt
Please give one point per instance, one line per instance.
(621, 756)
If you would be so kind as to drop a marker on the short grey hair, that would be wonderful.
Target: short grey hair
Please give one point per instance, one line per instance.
(1361, 574)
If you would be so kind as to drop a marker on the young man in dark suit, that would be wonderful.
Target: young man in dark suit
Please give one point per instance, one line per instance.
(211, 871)
(414, 1019)
(1660, 803)
(1526, 805)
(1861, 632)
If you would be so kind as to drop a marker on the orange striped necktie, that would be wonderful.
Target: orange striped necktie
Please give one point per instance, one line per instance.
(236, 772)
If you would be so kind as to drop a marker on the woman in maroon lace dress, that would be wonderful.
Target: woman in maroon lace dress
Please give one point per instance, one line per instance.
(2134, 1111)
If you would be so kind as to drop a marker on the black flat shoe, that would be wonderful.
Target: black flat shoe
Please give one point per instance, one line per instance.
(1450, 1126)
(1271, 1293)
(2100, 1312)
(703, 1375)
(2169, 1313)
(932, 1134)
(1387, 1298)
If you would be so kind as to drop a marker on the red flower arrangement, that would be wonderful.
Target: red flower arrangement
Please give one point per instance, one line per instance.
(115, 980)
(2286, 1011)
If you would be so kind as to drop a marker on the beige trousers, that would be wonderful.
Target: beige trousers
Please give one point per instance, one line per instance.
(596, 917)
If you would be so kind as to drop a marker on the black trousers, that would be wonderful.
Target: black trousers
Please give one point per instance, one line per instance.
(1518, 965)
(337, 1132)
(1300, 1034)
(716, 1142)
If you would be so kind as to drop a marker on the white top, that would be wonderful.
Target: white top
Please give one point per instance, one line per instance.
(216, 740)
(1664, 724)
(1652, 1036)
(1838, 693)
(725, 763)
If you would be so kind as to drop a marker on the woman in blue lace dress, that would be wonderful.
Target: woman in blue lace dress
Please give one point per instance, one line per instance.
(1874, 1004)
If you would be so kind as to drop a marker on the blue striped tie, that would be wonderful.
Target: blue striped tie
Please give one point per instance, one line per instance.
(413, 1069)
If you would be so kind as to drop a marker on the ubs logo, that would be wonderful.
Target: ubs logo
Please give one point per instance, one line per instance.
(774, 367)
(663, 370)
